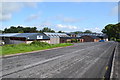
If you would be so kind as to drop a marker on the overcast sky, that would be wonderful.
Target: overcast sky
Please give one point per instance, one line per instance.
(65, 16)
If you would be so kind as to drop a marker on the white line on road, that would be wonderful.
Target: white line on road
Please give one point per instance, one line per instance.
(113, 63)
(41, 62)
(93, 62)
(32, 65)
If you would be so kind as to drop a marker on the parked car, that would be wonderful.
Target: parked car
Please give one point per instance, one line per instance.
(101, 40)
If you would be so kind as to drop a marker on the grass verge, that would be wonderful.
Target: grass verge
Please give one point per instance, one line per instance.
(21, 48)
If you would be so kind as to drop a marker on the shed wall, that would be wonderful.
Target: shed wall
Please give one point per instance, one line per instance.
(88, 39)
(54, 40)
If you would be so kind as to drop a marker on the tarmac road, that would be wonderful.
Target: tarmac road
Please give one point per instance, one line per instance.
(83, 60)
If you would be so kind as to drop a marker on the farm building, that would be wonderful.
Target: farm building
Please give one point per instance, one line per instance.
(72, 34)
(16, 38)
(90, 38)
(56, 38)
(69, 39)
(93, 37)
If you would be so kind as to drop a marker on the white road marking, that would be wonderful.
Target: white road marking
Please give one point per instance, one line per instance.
(44, 61)
(113, 63)
(93, 62)
(28, 66)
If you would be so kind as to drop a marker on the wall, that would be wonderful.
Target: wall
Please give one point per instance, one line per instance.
(2, 42)
(54, 40)
(96, 40)
(28, 42)
(88, 39)
(7, 40)
(15, 42)
(81, 40)
(63, 40)
(106, 39)
(47, 41)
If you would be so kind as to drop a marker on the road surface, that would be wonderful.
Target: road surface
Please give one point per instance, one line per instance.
(116, 64)
(83, 60)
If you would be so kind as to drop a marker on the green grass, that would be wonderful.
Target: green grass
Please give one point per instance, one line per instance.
(21, 48)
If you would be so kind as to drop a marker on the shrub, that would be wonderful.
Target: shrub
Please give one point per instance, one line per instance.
(74, 40)
(38, 43)
(118, 40)
(68, 41)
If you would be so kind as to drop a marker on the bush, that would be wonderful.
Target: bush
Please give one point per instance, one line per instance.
(38, 43)
(118, 40)
(74, 40)
(68, 41)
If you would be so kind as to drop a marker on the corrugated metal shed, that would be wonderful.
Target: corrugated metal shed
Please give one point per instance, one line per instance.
(8, 34)
(70, 33)
(71, 37)
(56, 34)
(25, 35)
(92, 34)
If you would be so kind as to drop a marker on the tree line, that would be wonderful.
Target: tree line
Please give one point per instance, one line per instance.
(21, 29)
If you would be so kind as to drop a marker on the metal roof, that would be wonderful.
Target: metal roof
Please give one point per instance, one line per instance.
(8, 34)
(17, 34)
(25, 35)
(92, 34)
(56, 34)
(94, 37)
(70, 33)
(71, 37)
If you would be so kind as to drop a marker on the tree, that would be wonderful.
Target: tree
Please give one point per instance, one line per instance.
(12, 29)
(77, 32)
(20, 29)
(61, 32)
(1, 31)
(88, 31)
(112, 30)
(46, 29)
(30, 30)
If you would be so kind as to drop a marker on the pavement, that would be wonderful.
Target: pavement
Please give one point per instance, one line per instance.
(115, 74)
(83, 60)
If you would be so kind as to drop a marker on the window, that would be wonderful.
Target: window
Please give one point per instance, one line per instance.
(39, 37)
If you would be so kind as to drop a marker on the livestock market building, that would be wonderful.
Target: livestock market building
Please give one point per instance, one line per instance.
(74, 36)
(93, 37)
(16, 38)
(56, 38)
